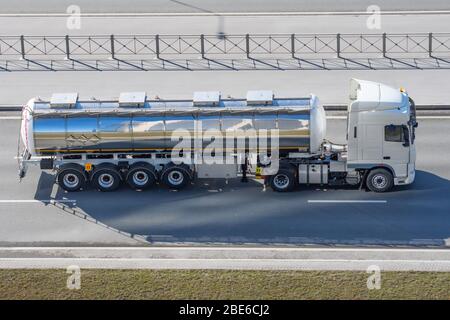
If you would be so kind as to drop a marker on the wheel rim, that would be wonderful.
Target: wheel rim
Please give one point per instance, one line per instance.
(140, 178)
(106, 180)
(175, 177)
(379, 181)
(281, 181)
(71, 180)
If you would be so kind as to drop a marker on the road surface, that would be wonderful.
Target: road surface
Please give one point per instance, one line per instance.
(213, 211)
(332, 87)
(196, 6)
(233, 213)
(271, 24)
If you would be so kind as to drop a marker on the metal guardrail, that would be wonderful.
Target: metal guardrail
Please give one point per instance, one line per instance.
(302, 45)
(229, 52)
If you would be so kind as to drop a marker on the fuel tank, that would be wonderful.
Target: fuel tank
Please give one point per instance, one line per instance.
(94, 126)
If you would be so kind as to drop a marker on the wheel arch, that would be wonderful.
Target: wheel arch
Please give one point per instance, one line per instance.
(370, 167)
(106, 165)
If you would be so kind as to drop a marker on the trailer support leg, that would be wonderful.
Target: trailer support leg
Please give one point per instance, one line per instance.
(244, 167)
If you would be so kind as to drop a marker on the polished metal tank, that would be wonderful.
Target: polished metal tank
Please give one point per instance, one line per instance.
(108, 126)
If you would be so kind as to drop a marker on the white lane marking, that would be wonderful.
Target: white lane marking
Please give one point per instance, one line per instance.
(10, 118)
(187, 14)
(38, 201)
(347, 201)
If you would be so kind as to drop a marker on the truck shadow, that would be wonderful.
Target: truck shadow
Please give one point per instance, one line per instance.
(214, 211)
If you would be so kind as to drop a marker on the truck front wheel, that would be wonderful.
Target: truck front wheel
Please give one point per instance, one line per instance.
(283, 181)
(380, 180)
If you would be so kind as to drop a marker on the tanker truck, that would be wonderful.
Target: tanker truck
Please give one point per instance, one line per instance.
(145, 142)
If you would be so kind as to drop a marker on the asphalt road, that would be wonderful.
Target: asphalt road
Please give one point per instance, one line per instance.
(427, 87)
(216, 212)
(195, 6)
(270, 24)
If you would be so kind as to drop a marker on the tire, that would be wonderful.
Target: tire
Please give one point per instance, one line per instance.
(379, 180)
(106, 178)
(71, 179)
(284, 180)
(141, 176)
(176, 177)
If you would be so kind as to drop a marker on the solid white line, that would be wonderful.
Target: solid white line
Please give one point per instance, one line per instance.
(10, 118)
(347, 201)
(337, 117)
(38, 201)
(181, 14)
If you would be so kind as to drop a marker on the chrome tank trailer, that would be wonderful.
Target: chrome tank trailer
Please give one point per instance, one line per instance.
(133, 123)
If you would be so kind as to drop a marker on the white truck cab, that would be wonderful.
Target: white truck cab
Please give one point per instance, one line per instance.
(381, 131)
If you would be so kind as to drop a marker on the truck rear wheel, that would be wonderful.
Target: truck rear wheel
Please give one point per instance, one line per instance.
(380, 180)
(71, 179)
(284, 180)
(106, 178)
(176, 177)
(141, 176)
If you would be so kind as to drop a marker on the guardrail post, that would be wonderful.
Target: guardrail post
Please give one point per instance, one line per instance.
(67, 48)
(157, 45)
(293, 45)
(202, 45)
(338, 45)
(247, 45)
(430, 44)
(22, 46)
(384, 44)
(112, 47)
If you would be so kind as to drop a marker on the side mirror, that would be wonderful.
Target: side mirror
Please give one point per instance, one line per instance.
(405, 136)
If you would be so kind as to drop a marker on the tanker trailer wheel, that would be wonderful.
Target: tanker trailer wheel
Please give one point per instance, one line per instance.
(176, 177)
(284, 180)
(379, 180)
(71, 178)
(106, 177)
(141, 176)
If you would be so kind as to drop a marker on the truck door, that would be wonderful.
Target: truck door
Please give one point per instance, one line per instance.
(371, 142)
(396, 146)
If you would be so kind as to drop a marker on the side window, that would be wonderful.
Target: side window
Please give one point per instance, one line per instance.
(393, 133)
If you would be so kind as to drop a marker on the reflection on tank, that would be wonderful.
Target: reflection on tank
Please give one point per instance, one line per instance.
(154, 131)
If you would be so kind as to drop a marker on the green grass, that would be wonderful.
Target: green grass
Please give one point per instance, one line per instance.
(221, 284)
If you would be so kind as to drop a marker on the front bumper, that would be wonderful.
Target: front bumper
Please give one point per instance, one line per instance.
(406, 180)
